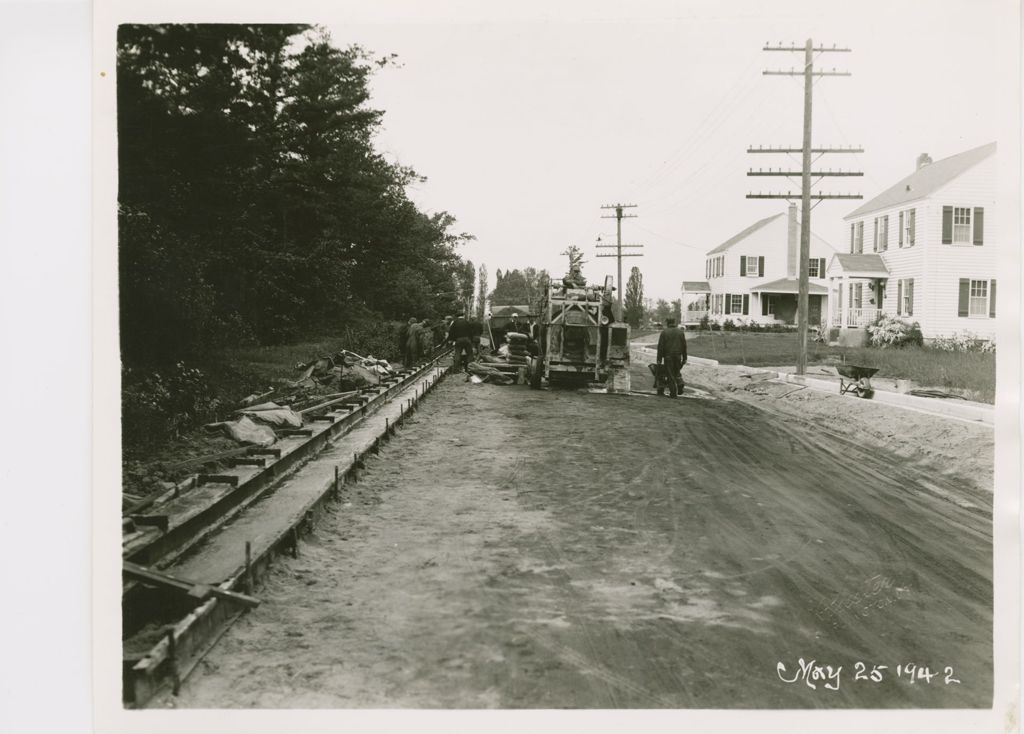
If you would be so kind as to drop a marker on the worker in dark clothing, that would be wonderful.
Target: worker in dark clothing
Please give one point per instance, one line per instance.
(671, 357)
(477, 332)
(460, 333)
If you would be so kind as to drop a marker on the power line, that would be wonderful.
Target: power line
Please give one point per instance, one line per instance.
(806, 150)
(619, 216)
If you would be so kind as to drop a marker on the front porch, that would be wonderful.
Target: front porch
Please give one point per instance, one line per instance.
(856, 284)
(778, 301)
(695, 297)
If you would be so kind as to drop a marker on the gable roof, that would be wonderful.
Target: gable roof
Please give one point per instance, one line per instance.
(925, 180)
(745, 233)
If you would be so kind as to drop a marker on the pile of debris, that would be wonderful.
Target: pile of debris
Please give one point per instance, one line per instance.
(343, 369)
(255, 421)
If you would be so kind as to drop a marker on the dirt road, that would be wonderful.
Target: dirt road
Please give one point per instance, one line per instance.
(514, 548)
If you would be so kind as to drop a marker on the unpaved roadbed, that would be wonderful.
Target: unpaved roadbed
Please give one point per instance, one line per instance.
(512, 548)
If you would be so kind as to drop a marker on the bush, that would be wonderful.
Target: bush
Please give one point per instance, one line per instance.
(705, 323)
(158, 406)
(965, 341)
(889, 331)
(728, 325)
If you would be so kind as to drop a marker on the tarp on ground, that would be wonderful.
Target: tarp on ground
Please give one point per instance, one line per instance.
(277, 416)
(245, 431)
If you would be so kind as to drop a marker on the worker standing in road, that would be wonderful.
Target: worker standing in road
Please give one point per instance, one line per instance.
(460, 333)
(671, 354)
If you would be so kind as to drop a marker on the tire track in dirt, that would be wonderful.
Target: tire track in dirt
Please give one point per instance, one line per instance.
(516, 548)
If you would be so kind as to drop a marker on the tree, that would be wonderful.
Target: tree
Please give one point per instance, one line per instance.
(662, 311)
(634, 298)
(481, 294)
(466, 284)
(677, 310)
(252, 202)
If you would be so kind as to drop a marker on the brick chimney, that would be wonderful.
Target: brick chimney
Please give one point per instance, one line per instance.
(923, 160)
(792, 242)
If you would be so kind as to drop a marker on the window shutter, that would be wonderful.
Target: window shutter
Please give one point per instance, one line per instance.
(963, 306)
(853, 237)
(910, 296)
(992, 299)
(743, 265)
(947, 225)
(728, 303)
(899, 297)
(821, 267)
(901, 229)
(746, 304)
(913, 219)
(979, 225)
(874, 240)
(764, 303)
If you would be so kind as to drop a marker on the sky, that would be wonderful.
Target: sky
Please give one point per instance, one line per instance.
(527, 119)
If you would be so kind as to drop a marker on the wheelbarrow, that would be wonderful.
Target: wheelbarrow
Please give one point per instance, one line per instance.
(662, 377)
(855, 379)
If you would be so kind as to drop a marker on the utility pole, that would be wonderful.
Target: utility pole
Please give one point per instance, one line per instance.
(806, 174)
(619, 216)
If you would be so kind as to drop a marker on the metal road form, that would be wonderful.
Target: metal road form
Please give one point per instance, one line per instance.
(221, 533)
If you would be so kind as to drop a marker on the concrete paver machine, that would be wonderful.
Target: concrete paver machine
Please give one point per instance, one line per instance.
(578, 337)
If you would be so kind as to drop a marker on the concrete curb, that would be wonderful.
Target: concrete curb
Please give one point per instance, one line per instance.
(647, 353)
(977, 413)
(964, 410)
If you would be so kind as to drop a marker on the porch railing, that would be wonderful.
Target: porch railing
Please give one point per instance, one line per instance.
(856, 317)
(691, 316)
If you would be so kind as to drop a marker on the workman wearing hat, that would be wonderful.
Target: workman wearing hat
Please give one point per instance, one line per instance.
(671, 355)
(516, 327)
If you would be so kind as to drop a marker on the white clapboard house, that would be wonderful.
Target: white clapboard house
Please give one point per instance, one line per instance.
(752, 277)
(924, 250)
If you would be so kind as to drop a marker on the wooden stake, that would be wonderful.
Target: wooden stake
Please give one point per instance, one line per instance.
(172, 660)
(249, 585)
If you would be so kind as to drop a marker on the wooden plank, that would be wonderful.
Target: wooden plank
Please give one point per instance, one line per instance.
(148, 575)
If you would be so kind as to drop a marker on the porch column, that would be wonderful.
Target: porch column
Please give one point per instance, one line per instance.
(830, 303)
(845, 287)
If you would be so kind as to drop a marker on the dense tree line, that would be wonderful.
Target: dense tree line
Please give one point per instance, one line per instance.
(519, 287)
(252, 203)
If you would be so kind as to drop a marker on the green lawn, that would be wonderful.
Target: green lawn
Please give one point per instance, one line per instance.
(971, 373)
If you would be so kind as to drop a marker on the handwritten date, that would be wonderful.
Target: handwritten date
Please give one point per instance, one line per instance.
(813, 674)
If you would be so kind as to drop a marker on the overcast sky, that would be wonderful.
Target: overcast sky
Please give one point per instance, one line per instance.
(527, 118)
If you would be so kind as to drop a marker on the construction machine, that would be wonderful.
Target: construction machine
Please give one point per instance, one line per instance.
(578, 336)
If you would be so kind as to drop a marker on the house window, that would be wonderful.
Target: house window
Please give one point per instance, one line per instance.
(881, 234)
(979, 299)
(962, 225)
(812, 267)
(769, 305)
(907, 227)
(751, 264)
(858, 240)
(905, 297)
(736, 304)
